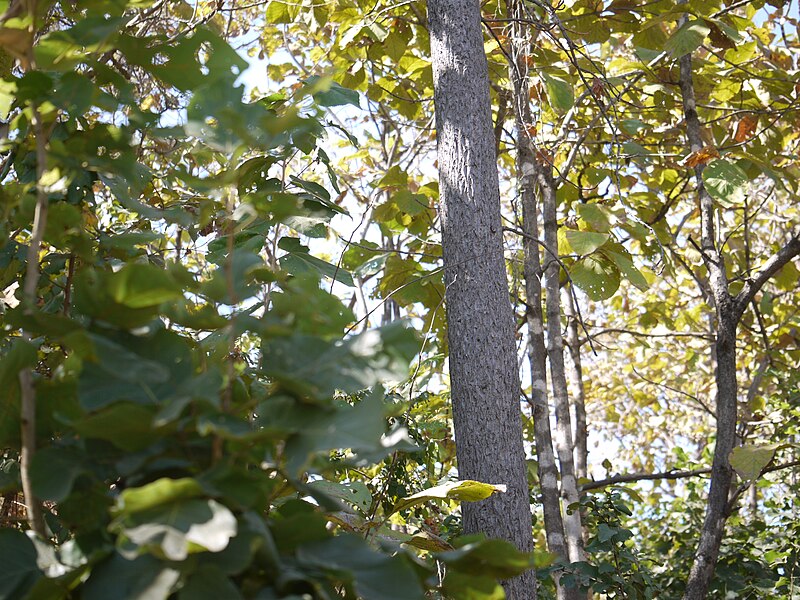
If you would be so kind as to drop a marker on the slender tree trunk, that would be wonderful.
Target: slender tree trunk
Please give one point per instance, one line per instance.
(537, 353)
(576, 377)
(555, 355)
(483, 367)
(725, 348)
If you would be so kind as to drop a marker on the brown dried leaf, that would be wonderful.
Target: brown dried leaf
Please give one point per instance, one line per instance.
(17, 42)
(745, 128)
(598, 87)
(718, 38)
(543, 157)
(701, 157)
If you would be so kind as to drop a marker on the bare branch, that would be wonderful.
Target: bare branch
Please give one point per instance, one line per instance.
(631, 477)
(790, 251)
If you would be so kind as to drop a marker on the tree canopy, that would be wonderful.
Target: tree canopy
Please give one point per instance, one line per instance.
(224, 355)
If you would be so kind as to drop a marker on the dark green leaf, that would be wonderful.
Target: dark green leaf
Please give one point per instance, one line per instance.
(144, 578)
(18, 559)
(54, 471)
(299, 260)
(331, 93)
(209, 583)
(180, 528)
(376, 576)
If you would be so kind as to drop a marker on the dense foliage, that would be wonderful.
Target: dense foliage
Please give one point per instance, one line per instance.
(223, 290)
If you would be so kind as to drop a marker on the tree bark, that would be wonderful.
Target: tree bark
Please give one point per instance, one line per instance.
(729, 311)
(555, 355)
(537, 353)
(725, 348)
(576, 376)
(483, 366)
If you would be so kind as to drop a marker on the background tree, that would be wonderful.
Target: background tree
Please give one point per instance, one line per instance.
(151, 183)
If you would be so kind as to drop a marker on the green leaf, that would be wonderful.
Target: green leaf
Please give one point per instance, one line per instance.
(725, 181)
(395, 44)
(412, 204)
(278, 12)
(687, 39)
(144, 578)
(127, 425)
(8, 90)
(624, 262)
(356, 427)
(100, 386)
(742, 53)
(315, 368)
(180, 528)
(464, 491)
(465, 586)
(299, 260)
(749, 461)
(496, 558)
(122, 363)
(159, 492)
(19, 570)
(596, 275)
(560, 93)
(636, 151)
(376, 576)
(209, 583)
(355, 493)
(331, 93)
(597, 216)
(139, 286)
(54, 471)
(585, 242)
(605, 533)
(20, 356)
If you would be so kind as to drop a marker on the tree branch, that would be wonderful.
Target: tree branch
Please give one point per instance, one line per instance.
(772, 266)
(630, 477)
(27, 389)
(769, 469)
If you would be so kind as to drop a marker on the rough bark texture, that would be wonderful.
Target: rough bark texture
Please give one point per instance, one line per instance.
(483, 366)
(555, 355)
(537, 353)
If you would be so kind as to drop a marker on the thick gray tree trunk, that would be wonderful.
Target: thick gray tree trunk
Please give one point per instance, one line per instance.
(483, 366)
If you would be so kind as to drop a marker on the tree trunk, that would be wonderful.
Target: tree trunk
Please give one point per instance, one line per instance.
(576, 376)
(483, 366)
(537, 353)
(555, 355)
(707, 552)
(729, 310)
